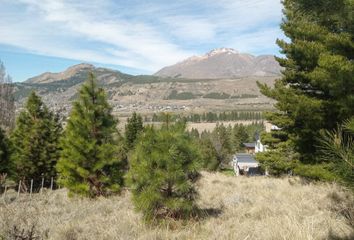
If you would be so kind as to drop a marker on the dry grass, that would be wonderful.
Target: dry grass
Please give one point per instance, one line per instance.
(244, 208)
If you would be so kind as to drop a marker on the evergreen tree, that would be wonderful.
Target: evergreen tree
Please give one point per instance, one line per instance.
(209, 155)
(163, 169)
(91, 162)
(132, 130)
(221, 140)
(240, 136)
(4, 153)
(316, 90)
(194, 133)
(338, 146)
(35, 141)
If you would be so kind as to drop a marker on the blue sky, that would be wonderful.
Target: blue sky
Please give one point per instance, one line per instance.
(135, 36)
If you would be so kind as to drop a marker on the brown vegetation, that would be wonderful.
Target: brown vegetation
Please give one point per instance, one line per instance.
(236, 208)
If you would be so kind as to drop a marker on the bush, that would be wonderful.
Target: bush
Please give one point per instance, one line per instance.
(322, 172)
(163, 169)
(275, 162)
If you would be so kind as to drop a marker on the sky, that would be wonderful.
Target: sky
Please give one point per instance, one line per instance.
(135, 36)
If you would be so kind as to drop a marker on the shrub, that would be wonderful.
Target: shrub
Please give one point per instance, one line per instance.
(163, 169)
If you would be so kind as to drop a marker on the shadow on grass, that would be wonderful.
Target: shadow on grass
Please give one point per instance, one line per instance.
(178, 220)
(204, 213)
(332, 236)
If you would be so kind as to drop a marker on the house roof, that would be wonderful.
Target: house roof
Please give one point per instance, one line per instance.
(250, 145)
(245, 158)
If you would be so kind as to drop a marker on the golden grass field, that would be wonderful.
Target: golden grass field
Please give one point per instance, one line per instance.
(240, 208)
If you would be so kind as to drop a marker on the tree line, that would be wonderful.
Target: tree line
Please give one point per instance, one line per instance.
(211, 117)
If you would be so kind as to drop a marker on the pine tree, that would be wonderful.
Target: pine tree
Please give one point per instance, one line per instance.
(35, 141)
(4, 153)
(316, 90)
(194, 133)
(209, 155)
(91, 162)
(132, 130)
(163, 169)
(221, 140)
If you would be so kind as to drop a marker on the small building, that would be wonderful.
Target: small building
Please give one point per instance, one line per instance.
(255, 147)
(245, 164)
(250, 147)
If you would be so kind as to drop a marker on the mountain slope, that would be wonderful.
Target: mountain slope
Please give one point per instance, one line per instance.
(79, 71)
(210, 89)
(222, 63)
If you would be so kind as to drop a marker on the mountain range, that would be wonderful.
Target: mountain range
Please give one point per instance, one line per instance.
(220, 80)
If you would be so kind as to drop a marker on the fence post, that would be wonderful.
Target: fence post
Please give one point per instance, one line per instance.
(19, 189)
(4, 195)
(42, 185)
(31, 188)
(51, 184)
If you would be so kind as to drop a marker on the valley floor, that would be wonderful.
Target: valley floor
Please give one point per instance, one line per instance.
(239, 207)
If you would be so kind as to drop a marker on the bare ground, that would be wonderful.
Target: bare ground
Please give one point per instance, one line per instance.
(239, 208)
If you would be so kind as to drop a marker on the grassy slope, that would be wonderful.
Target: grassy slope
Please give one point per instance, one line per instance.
(243, 208)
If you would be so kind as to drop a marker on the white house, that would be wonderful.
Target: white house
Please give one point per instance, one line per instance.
(245, 164)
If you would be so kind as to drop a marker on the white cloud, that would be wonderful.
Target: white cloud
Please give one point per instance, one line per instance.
(138, 34)
(190, 28)
(260, 42)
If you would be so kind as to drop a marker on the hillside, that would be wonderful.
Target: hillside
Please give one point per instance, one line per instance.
(146, 94)
(223, 63)
(234, 208)
(221, 80)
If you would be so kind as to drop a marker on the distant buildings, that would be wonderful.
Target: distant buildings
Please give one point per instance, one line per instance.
(245, 163)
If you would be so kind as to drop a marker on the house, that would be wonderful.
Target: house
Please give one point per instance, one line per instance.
(255, 147)
(250, 147)
(245, 164)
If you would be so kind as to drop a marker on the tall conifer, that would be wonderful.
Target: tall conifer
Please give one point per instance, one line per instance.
(316, 90)
(35, 141)
(91, 162)
(132, 130)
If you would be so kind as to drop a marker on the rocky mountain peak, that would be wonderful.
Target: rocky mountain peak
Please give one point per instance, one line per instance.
(222, 63)
(222, 51)
(49, 77)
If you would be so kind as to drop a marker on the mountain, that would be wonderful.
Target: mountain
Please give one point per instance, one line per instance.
(79, 72)
(214, 88)
(222, 63)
